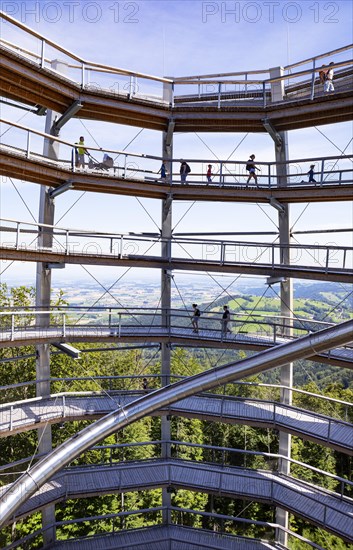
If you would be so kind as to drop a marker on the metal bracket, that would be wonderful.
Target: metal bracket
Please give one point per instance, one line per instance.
(61, 189)
(55, 265)
(41, 111)
(273, 280)
(277, 205)
(69, 350)
(169, 133)
(69, 113)
(273, 132)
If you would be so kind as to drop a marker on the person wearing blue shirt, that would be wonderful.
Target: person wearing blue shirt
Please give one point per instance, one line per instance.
(311, 174)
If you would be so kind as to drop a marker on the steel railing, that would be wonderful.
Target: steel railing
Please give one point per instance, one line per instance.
(117, 81)
(72, 322)
(212, 455)
(195, 250)
(179, 516)
(334, 170)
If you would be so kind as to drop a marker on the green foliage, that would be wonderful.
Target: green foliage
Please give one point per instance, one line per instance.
(84, 508)
(318, 536)
(129, 366)
(317, 456)
(21, 297)
(21, 529)
(193, 501)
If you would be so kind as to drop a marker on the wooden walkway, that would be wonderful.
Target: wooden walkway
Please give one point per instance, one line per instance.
(25, 81)
(34, 413)
(312, 272)
(342, 357)
(316, 505)
(39, 170)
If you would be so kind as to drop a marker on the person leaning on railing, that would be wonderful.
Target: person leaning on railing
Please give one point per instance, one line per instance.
(328, 85)
(80, 152)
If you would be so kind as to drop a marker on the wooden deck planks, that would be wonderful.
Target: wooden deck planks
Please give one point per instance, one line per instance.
(317, 505)
(328, 431)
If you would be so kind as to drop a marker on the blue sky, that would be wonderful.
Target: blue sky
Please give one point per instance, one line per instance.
(183, 37)
(178, 38)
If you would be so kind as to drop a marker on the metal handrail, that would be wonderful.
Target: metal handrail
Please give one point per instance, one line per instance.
(265, 332)
(270, 80)
(231, 450)
(213, 252)
(113, 516)
(156, 376)
(286, 67)
(329, 506)
(32, 480)
(228, 172)
(61, 49)
(262, 87)
(180, 240)
(177, 80)
(258, 318)
(156, 157)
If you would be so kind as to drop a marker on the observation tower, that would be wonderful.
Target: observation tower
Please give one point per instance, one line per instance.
(59, 86)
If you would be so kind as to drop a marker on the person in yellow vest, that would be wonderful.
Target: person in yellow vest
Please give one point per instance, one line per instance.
(80, 153)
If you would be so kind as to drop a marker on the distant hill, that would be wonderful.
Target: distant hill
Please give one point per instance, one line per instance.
(314, 291)
(332, 303)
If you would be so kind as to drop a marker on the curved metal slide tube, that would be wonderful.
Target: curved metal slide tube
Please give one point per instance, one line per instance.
(41, 472)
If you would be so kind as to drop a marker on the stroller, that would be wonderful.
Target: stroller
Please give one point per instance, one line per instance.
(104, 165)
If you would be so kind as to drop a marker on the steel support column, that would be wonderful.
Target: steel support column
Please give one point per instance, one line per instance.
(43, 294)
(286, 291)
(166, 277)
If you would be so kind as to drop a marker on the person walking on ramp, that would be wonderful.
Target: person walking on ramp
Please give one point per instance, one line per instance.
(209, 174)
(195, 318)
(225, 322)
(251, 167)
(311, 174)
(184, 171)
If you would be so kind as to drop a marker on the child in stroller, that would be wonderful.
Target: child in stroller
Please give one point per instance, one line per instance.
(105, 165)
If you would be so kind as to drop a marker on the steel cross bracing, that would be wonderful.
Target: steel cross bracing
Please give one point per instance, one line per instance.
(33, 413)
(324, 508)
